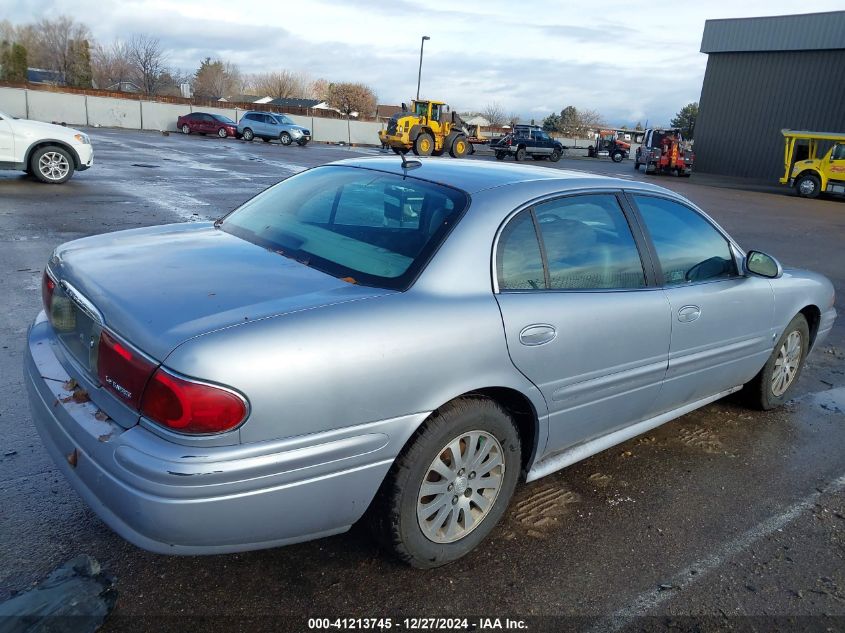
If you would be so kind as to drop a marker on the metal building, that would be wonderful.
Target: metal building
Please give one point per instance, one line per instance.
(763, 75)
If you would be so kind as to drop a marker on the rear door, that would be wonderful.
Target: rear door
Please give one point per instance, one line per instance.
(722, 321)
(583, 318)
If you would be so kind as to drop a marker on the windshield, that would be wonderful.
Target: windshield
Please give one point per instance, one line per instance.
(281, 118)
(364, 226)
(223, 119)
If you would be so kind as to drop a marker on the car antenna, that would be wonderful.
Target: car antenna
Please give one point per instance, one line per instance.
(409, 164)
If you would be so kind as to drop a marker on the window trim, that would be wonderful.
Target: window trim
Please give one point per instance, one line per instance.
(646, 255)
(737, 253)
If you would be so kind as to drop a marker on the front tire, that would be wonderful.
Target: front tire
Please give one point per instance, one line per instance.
(808, 186)
(52, 165)
(771, 387)
(451, 484)
(554, 156)
(285, 138)
(617, 157)
(424, 145)
(248, 134)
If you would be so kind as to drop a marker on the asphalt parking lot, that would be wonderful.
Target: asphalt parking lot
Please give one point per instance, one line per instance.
(726, 513)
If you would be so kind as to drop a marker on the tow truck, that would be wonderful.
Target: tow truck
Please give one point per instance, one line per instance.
(812, 176)
(609, 144)
(665, 151)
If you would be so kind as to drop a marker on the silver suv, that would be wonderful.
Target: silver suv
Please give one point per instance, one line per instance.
(271, 126)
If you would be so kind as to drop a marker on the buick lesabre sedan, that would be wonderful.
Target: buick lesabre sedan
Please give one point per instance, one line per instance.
(401, 340)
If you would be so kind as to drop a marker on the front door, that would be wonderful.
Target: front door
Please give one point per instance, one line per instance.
(836, 169)
(722, 322)
(581, 319)
(7, 141)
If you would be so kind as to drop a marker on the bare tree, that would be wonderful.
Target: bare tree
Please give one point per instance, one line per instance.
(215, 78)
(280, 84)
(352, 98)
(513, 118)
(111, 66)
(148, 62)
(318, 89)
(589, 120)
(495, 113)
(62, 46)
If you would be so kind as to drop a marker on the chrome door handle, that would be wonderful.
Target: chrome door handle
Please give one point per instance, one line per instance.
(688, 314)
(537, 334)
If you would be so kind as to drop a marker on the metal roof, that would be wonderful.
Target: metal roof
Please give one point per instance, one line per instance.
(822, 136)
(805, 32)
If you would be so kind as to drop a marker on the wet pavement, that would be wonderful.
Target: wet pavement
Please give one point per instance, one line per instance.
(726, 513)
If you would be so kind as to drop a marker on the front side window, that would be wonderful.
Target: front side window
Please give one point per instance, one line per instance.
(838, 152)
(690, 249)
(377, 229)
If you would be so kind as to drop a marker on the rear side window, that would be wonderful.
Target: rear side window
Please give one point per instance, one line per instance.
(589, 245)
(365, 226)
(690, 249)
(518, 260)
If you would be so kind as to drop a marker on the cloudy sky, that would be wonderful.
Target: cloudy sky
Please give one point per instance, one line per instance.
(631, 61)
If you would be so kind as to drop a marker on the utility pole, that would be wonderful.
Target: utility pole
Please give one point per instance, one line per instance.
(419, 74)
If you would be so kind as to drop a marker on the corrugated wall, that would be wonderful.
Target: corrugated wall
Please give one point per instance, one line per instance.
(747, 98)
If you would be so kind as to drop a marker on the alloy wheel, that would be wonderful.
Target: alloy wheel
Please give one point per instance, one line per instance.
(460, 487)
(53, 165)
(786, 364)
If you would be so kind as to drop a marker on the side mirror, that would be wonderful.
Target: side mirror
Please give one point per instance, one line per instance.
(758, 263)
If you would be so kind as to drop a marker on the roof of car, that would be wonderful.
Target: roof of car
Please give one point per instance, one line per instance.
(473, 176)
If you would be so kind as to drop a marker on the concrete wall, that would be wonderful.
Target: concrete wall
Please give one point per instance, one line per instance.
(76, 109)
(13, 101)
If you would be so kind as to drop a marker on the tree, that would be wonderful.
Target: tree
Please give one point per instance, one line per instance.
(111, 66)
(685, 119)
(552, 123)
(280, 84)
(214, 79)
(148, 62)
(79, 72)
(317, 89)
(351, 98)
(13, 62)
(513, 119)
(61, 48)
(568, 121)
(495, 113)
(589, 120)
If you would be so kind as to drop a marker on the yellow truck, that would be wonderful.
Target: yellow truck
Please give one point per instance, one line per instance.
(429, 128)
(812, 175)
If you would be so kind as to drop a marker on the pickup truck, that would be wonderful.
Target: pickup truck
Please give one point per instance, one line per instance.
(527, 140)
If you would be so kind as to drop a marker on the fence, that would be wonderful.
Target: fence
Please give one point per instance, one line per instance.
(91, 110)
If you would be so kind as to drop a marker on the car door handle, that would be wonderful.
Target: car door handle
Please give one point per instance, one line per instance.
(688, 314)
(537, 334)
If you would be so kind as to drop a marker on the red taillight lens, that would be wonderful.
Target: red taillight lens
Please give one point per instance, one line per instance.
(122, 371)
(191, 407)
(47, 288)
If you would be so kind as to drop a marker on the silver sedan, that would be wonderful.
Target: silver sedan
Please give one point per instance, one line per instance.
(399, 340)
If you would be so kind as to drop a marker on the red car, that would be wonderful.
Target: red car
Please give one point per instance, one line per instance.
(203, 123)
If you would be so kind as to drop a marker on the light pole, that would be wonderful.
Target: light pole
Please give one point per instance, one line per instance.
(419, 74)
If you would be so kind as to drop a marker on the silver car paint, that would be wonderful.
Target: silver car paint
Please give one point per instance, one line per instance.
(339, 376)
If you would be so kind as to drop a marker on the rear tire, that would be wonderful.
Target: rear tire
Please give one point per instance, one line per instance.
(520, 154)
(636, 166)
(500, 156)
(186, 129)
(808, 186)
(771, 387)
(424, 144)
(222, 133)
(426, 535)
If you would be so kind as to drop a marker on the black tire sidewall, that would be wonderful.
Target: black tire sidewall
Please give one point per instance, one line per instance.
(816, 182)
(224, 133)
(418, 141)
(248, 135)
(554, 156)
(472, 414)
(520, 154)
(285, 138)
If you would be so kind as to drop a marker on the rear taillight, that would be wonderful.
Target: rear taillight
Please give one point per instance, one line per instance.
(187, 406)
(122, 371)
(47, 288)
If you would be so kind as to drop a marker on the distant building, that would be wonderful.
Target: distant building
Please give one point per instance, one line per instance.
(246, 99)
(385, 112)
(46, 77)
(297, 103)
(764, 75)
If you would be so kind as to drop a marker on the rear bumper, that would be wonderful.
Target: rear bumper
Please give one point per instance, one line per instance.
(175, 499)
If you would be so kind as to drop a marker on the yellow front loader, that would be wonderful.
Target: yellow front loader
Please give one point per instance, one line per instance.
(812, 175)
(430, 128)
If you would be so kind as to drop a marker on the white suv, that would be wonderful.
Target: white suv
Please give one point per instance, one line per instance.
(49, 152)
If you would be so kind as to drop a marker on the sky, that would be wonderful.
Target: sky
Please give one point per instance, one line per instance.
(630, 61)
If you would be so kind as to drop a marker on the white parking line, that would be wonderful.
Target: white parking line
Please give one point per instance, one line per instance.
(647, 601)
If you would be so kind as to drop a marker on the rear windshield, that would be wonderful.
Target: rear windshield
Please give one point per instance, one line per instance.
(377, 229)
